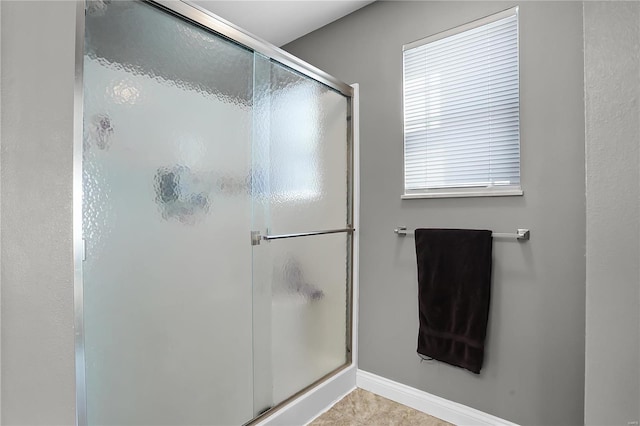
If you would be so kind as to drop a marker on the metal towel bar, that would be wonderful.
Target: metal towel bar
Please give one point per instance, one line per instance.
(520, 235)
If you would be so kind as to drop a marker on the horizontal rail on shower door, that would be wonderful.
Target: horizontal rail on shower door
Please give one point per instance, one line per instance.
(306, 234)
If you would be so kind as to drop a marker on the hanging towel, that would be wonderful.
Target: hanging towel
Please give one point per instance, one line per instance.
(454, 289)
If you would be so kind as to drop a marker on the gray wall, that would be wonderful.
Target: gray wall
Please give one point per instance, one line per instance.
(0, 211)
(38, 44)
(612, 100)
(534, 369)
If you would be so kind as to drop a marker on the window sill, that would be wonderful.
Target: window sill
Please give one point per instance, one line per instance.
(466, 193)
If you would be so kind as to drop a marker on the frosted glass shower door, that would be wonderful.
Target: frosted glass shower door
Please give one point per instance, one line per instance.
(167, 215)
(302, 283)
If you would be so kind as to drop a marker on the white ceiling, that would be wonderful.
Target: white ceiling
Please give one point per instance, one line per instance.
(280, 22)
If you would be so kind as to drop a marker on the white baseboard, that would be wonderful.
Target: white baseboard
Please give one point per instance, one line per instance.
(436, 406)
(316, 401)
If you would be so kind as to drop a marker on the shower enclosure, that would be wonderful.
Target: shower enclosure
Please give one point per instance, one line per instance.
(216, 227)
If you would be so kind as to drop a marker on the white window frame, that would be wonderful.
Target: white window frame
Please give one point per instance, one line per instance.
(466, 191)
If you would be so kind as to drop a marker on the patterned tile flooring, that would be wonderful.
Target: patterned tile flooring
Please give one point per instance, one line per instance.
(362, 408)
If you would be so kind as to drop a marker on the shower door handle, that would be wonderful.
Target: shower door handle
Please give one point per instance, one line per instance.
(348, 230)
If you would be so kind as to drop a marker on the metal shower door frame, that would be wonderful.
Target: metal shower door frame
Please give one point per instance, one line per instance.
(207, 20)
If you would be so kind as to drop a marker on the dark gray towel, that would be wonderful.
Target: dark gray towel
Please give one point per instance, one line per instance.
(454, 289)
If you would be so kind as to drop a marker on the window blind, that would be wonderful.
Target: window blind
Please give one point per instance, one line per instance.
(461, 108)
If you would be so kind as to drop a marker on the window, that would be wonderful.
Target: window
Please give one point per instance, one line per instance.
(462, 111)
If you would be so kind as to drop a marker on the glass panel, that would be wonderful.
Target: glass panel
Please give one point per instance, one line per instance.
(308, 319)
(167, 277)
(261, 262)
(300, 183)
(308, 154)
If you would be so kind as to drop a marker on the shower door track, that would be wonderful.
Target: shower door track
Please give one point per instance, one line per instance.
(206, 19)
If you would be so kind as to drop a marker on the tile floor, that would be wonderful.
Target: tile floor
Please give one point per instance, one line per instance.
(362, 408)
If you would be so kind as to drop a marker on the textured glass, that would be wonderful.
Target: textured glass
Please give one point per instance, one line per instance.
(300, 184)
(167, 215)
(308, 154)
(308, 310)
(262, 261)
(191, 142)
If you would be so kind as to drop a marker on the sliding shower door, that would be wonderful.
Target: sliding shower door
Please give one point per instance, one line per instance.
(302, 271)
(216, 199)
(167, 215)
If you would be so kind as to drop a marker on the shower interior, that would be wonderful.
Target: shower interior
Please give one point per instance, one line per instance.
(195, 147)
